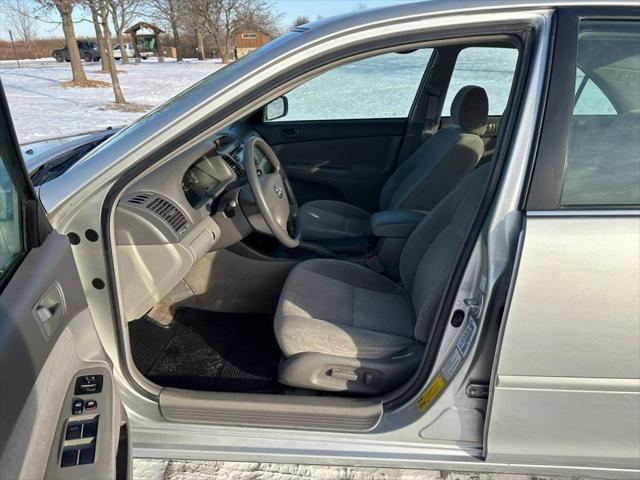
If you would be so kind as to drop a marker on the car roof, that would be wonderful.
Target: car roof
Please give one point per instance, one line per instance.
(359, 17)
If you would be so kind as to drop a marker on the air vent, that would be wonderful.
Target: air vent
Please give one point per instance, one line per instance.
(232, 162)
(169, 213)
(140, 198)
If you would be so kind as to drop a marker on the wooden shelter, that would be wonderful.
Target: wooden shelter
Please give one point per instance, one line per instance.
(136, 37)
(250, 38)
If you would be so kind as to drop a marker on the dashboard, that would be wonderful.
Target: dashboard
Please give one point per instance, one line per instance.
(173, 215)
(202, 181)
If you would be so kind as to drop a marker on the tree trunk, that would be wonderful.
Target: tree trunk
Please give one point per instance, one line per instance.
(174, 27)
(77, 69)
(123, 49)
(115, 82)
(99, 38)
(124, 59)
(200, 44)
(225, 55)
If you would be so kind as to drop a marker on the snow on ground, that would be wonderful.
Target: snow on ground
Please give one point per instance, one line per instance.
(42, 109)
(147, 469)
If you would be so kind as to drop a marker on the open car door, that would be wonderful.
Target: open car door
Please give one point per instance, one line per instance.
(60, 413)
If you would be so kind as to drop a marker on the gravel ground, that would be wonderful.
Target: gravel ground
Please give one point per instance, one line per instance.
(147, 469)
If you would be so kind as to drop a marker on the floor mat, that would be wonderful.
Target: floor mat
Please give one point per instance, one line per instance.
(202, 350)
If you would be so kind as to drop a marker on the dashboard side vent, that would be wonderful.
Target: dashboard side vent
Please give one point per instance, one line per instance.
(140, 198)
(232, 162)
(169, 213)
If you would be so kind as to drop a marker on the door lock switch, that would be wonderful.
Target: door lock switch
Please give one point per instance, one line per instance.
(90, 405)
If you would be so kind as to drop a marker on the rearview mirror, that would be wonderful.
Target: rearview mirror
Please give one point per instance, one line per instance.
(276, 109)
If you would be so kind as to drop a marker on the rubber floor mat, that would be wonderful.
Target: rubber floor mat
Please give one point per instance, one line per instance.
(202, 350)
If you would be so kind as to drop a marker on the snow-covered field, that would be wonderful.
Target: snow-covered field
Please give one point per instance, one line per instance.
(147, 469)
(42, 109)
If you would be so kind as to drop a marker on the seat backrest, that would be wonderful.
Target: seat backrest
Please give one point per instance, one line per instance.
(432, 250)
(435, 168)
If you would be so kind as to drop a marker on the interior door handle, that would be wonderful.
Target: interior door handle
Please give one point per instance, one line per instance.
(50, 310)
(291, 132)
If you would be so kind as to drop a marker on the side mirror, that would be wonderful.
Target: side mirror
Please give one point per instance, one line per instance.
(276, 109)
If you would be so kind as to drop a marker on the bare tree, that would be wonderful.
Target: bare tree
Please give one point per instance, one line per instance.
(167, 10)
(103, 14)
(301, 20)
(99, 37)
(19, 16)
(191, 11)
(65, 9)
(122, 12)
(223, 18)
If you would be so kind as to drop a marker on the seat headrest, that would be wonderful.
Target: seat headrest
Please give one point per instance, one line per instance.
(470, 109)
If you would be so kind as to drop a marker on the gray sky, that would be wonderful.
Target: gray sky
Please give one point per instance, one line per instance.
(289, 8)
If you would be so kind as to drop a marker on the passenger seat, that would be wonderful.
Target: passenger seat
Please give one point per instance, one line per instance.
(424, 179)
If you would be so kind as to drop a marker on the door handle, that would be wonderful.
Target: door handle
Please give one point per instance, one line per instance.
(291, 132)
(49, 310)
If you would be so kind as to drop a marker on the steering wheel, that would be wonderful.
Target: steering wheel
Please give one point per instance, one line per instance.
(273, 194)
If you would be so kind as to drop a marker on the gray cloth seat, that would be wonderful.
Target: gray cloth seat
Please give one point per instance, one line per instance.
(431, 172)
(343, 327)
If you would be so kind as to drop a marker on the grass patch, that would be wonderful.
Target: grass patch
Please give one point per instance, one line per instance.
(85, 84)
(126, 107)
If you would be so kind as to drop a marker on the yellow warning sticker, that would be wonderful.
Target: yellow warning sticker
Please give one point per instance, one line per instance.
(431, 393)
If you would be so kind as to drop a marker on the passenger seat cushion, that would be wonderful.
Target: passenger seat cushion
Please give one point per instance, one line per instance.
(329, 219)
(340, 308)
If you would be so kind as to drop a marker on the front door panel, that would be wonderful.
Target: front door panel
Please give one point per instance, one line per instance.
(346, 160)
(51, 357)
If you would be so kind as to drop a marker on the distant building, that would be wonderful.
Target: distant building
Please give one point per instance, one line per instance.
(248, 39)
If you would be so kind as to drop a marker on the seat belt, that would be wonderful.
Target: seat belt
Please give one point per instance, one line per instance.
(432, 119)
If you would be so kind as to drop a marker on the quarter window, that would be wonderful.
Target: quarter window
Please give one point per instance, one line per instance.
(603, 160)
(383, 86)
(491, 68)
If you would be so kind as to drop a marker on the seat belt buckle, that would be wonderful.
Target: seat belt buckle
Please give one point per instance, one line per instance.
(374, 263)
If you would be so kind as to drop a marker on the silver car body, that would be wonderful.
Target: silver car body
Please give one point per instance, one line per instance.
(561, 371)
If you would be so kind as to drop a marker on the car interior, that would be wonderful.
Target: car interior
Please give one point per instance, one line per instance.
(294, 254)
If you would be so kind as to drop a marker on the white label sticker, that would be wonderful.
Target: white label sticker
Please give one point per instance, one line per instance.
(451, 365)
(465, 340)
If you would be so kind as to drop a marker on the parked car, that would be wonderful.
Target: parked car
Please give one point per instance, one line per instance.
(406, 236)
(89, 52)
(117, 52)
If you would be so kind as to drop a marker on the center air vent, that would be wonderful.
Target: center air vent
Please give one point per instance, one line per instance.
(233, 163)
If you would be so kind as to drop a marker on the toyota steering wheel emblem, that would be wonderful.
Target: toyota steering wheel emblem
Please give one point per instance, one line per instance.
(278, 191)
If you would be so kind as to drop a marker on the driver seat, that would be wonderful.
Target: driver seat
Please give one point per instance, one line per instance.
(344, 328)
(431, 172)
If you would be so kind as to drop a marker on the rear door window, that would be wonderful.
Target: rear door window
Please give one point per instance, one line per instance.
(603, 160)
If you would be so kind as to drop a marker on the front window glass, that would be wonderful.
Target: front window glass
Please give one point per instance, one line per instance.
(491, 68)
(383, 86)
